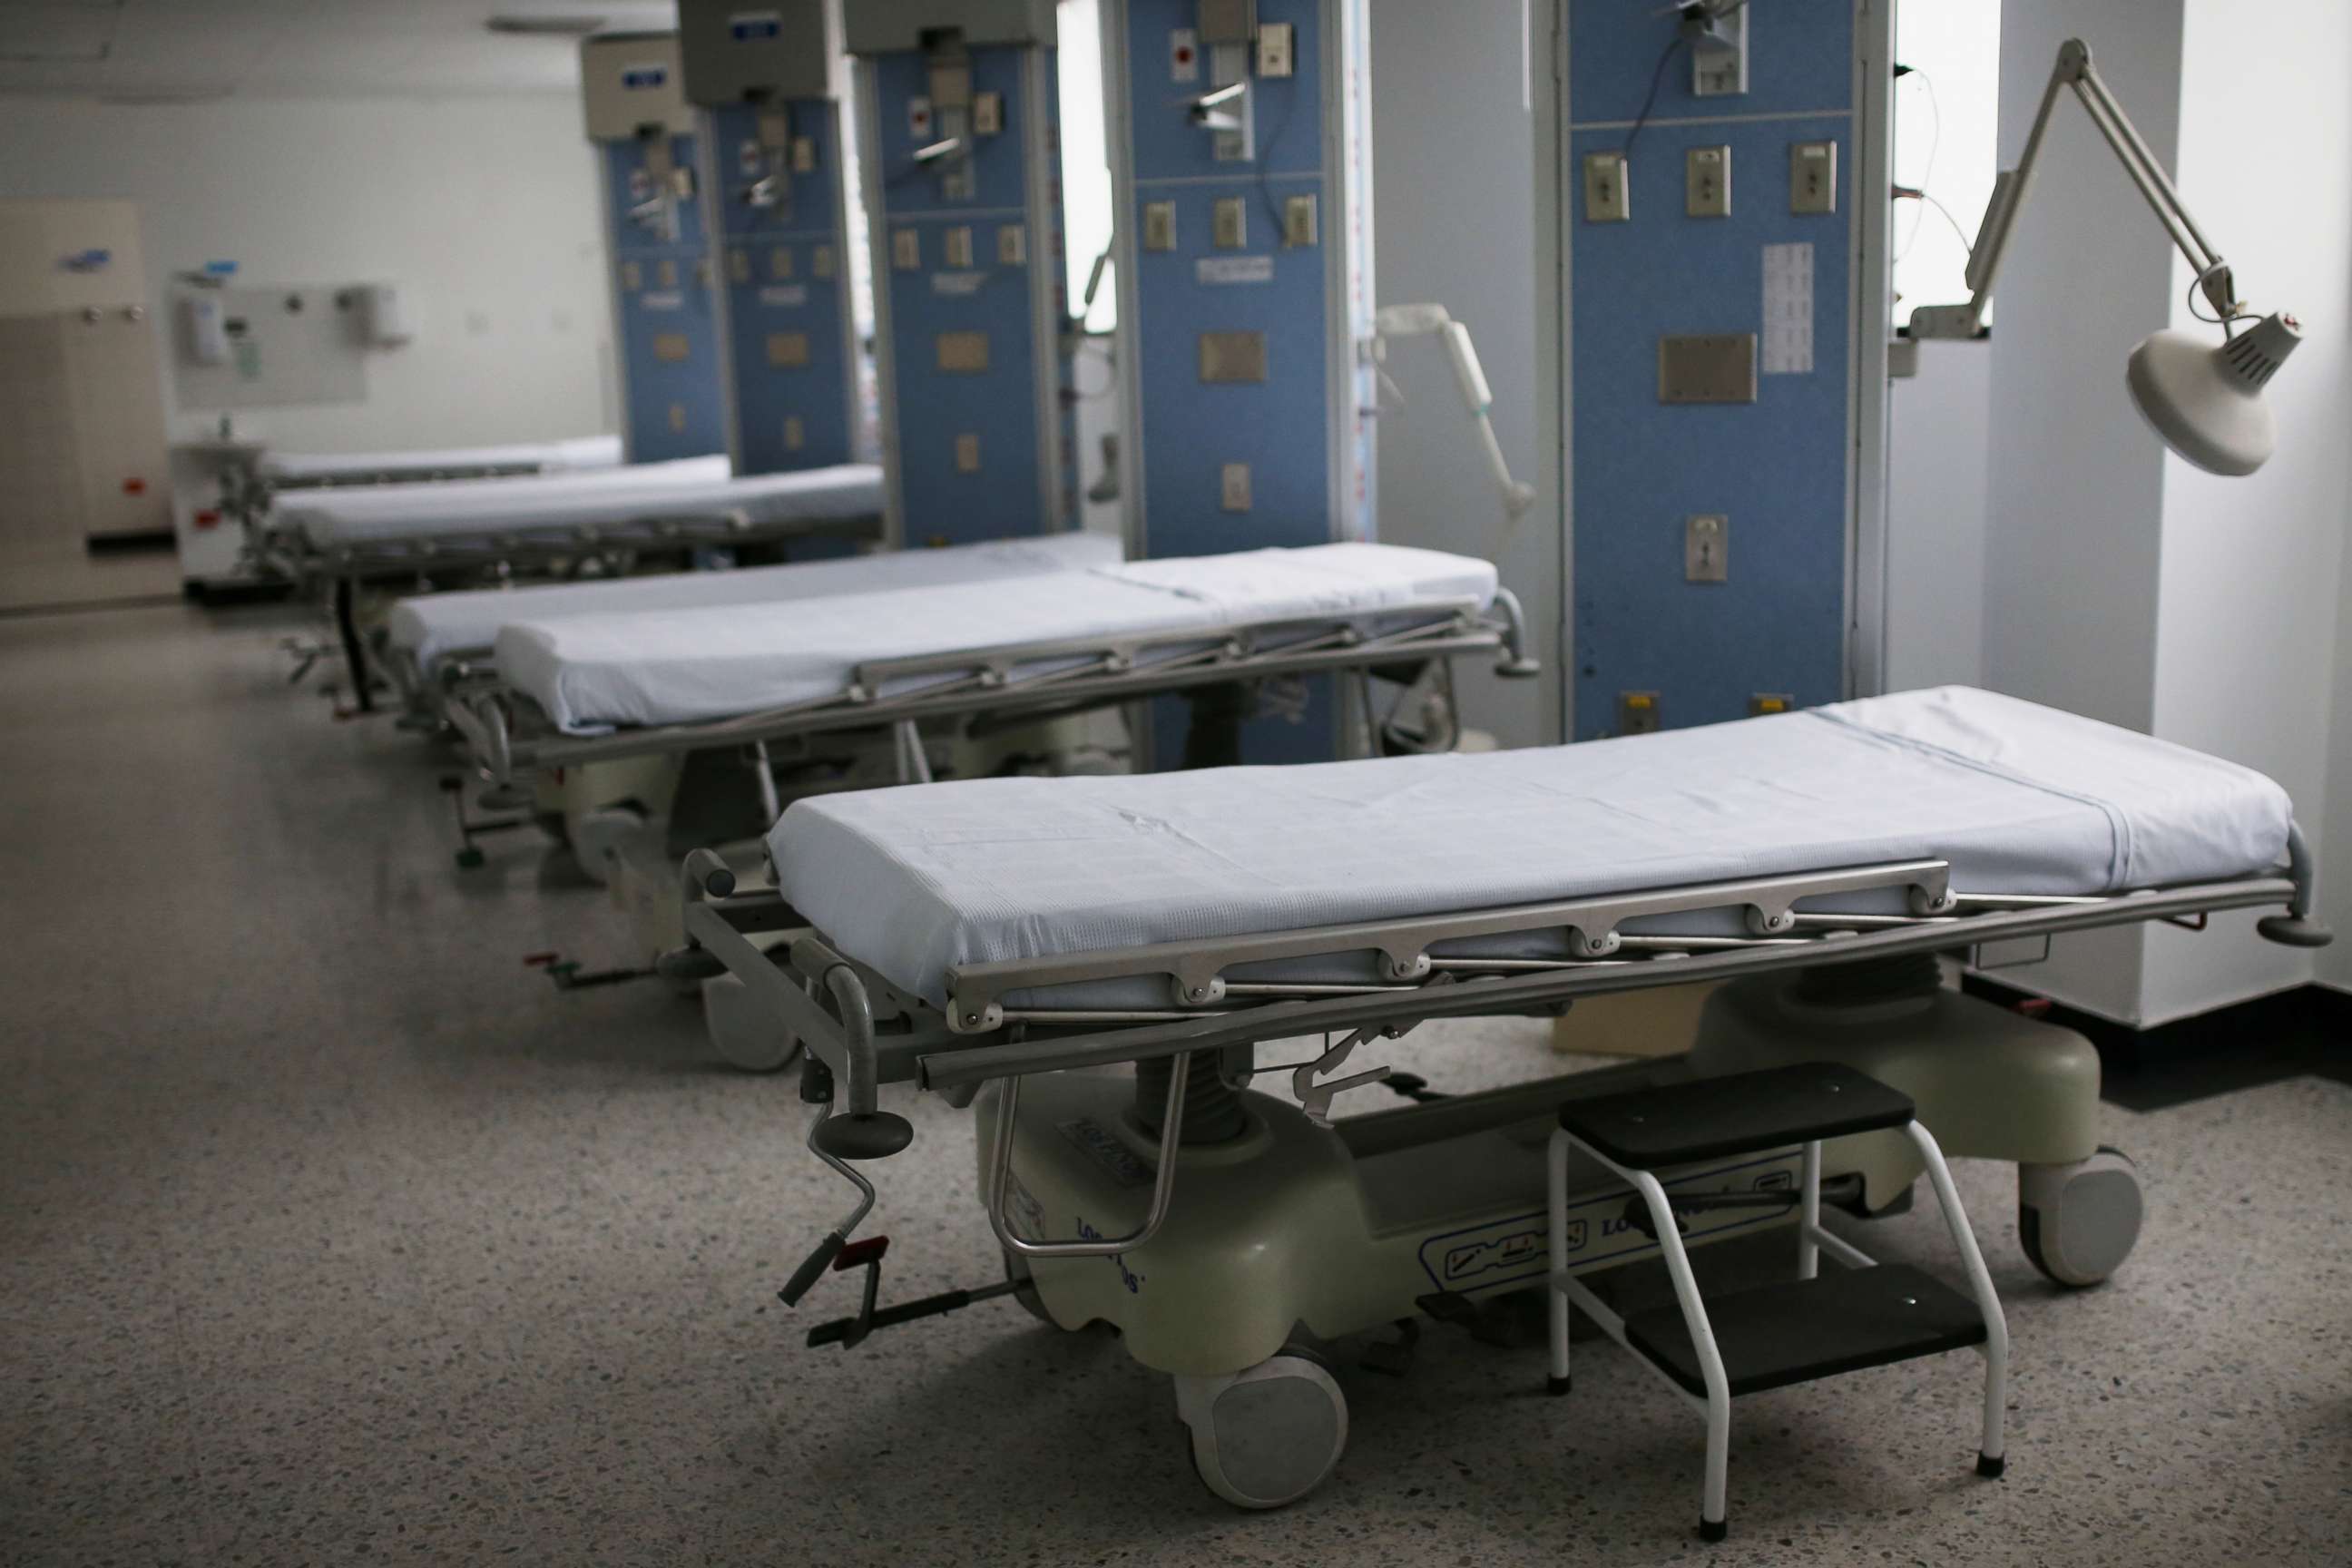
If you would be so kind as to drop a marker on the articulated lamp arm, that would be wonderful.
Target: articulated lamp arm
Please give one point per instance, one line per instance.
(2205, 402)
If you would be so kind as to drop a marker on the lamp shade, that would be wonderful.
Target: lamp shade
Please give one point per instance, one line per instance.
(2206, 401)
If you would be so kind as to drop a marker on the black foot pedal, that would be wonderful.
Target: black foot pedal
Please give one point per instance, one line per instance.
(1393, 1358)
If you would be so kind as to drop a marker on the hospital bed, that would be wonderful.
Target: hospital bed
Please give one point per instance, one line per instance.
(440, 643)
(609, 522)
(1012, 944)
(611, 703)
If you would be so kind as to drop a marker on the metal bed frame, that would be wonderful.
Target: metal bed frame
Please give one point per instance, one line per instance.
(507, 735)
(864, 1031)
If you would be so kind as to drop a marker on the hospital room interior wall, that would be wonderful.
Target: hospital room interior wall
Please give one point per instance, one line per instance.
(2074, 489)
(2251, 568)
(1935, 518)
(484, 212)
(1452, 159)
(2334, 965)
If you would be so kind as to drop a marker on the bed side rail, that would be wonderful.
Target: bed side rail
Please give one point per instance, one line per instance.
(1548, 988)
(1194, 971)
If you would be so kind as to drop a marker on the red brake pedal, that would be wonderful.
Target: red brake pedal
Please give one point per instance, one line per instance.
(859, 1253)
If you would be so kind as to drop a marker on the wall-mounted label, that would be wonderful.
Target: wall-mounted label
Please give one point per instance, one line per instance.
(785, 296)
(663, 300)
(644, 75)
(1215, 269)
(1788, 347)
(746, 27)
(957, 283)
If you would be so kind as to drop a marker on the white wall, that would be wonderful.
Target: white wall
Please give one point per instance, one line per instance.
(2250, 567)
(484, 212)
(2120, 582)
(2335, 963)
(1452, 160)
(1935, 518)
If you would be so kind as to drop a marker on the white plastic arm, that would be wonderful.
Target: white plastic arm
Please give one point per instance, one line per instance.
(1421, 320)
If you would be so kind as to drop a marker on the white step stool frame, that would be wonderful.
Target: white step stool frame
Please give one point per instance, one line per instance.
(1811, 1240)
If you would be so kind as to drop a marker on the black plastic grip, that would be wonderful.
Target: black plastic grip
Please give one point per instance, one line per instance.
(811, 1267)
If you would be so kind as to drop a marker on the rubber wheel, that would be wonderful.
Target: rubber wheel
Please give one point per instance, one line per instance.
(1272, 1435)
(2077, 1224)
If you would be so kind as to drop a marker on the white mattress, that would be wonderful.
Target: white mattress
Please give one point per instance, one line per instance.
(578, 452)
(2018, 798)
(598, 671)
(435, 624)
(692, 488)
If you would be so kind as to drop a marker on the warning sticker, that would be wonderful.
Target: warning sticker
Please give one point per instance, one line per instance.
(1219, 270)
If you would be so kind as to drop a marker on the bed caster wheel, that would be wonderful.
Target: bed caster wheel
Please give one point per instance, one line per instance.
(1025, 1288)
(2078, 1223)
(1268, 1435)
(744, 1036)
(600, 837)
(471, 860)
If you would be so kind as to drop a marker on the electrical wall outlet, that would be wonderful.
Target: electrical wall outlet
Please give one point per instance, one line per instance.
(1812, 176)
(1160, 225)
(967, 448)
(987, 113)
(1298, 221)
(738, 265)
(1235, 487)
(1605, 199)
(957, 248)
(1706, 548)
(1276, 55)
(795, 435)
(1706, 181)
(1230, 226)
(907, 251)
(780, 262)
(1012, 246)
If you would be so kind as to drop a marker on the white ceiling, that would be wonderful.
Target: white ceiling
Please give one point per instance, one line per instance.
(174, 50)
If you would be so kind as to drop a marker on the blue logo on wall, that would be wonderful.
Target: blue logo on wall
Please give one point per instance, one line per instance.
(644, 76)
(88, 261)
(748, 29)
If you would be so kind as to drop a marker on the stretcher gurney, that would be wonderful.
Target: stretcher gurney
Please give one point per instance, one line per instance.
(628, 690)
(283, 472)
(610, 521)
(1019, 936)
(441, 642)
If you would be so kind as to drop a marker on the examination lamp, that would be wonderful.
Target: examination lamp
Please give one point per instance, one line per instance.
(1427, 321)
(2205, 401)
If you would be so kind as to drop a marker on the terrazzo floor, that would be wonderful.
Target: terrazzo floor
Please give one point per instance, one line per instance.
(329, 1233)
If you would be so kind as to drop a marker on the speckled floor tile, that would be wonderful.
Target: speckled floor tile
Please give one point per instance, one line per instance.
(330, 1234)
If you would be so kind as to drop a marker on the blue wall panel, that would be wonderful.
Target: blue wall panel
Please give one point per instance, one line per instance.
(1778, 466)
(1280, 428)
(786, 272)
(672, 405)
(1000, 405)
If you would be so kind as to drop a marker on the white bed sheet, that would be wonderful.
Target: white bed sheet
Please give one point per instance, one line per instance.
(2019, 799)
(574, 453)
(432, 625)
(598, 671)
(608, 498)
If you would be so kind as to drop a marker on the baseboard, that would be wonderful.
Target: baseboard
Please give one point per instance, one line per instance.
(136, 541)
(219, 593)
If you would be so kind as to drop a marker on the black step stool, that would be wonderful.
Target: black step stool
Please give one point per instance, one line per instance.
(1814, 1326)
